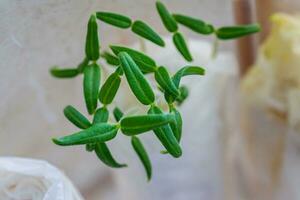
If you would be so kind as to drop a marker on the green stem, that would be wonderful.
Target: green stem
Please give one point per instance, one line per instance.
(142, 45)
(215, 48)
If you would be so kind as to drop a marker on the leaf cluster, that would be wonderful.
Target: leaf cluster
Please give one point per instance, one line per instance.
(134, 67)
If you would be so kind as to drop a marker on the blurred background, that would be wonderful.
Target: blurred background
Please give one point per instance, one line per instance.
(36, 35)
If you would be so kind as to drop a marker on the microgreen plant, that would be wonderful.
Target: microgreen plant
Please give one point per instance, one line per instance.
(134, 66)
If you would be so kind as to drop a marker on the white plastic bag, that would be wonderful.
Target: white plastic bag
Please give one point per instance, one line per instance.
(22, 179)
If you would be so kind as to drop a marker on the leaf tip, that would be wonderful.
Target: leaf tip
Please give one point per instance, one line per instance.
(57, 141)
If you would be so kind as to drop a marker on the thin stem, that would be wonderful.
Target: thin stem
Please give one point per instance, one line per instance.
(215, 48)
(142, 45)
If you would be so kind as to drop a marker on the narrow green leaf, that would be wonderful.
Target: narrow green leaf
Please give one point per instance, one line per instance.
(231, 32)
(119, 71)
(142, 154)
(63, 73)
(196, 25)
(76, 117)
(83, 64)
(136, 80)
(101, 115)
(166, 17)
(134, 125)
(165, 82)
(118, 114)
(91, 82)
(110, 59)
(104, 154)
(96, 133)
(145, 63)
(92, 42)
(142, 29)
(185, 71)
(176, 125)
(109, 89)
(114, 19)
(166, 135)
(181, 46)
(184, 93)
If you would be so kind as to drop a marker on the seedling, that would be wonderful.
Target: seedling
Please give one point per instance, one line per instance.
(132, 66)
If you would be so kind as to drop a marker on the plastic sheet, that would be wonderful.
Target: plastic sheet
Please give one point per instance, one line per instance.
(22, 178)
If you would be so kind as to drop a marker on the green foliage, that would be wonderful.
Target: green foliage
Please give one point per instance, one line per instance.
(184, 93)
(182, 47)
(135, 66)
(91, 83)
(134, 125)
(101, 115)
(104, 154)
(144, 62)
(110, 59)
(142, 154)
(176, 125)
(96, 133)
(136, 80)
(185, 71)
(92, 42)
(118, 114)
(114, 19)
(145, 31)
(76, 117)
(166, 17)
(165, 134)
(109, 89)
(232, 32)
(165, 82)
(194, 24)
(64, 73)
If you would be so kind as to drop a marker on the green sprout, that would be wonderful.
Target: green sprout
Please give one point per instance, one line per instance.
(132, 66)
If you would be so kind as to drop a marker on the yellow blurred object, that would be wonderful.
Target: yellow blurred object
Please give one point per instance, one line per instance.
(277, 70)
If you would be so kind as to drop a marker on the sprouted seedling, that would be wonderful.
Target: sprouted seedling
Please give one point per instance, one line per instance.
(133, 66)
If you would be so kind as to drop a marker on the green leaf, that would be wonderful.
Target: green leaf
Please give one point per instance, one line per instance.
(185, 71)
(181, 46)
(196, 25)
(136, 80)
(166, 135)
(92, 42)
(165, 82)
(166, 17)
(134, 125)
(110, 58)
(76, 117)
(176, 125)
(231, 32)
(109, 89)
(145, 63)
(91, 82)
(119, 71)
(184, 93)
(142, 29)
(118, 114)
(83, 64)
(96, 133)
(63, 73)
(114, 19)
(104, 154)
(142, 154)
(101, 115)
